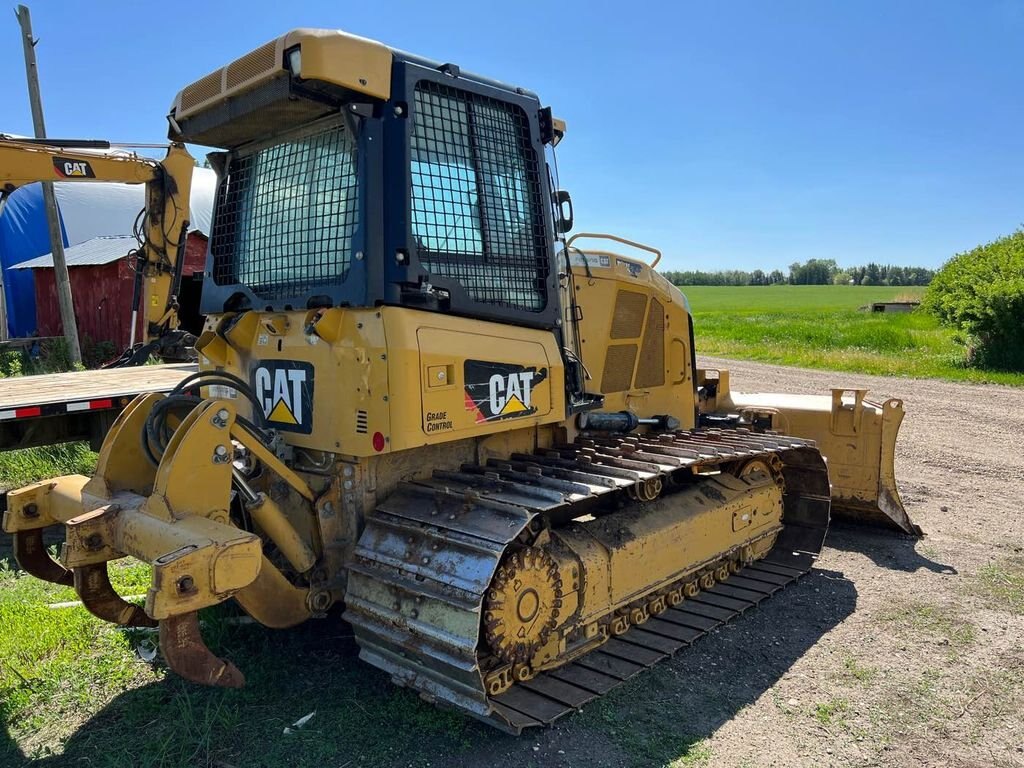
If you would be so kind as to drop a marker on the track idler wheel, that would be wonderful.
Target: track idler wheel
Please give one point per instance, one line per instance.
(99, 598)
(182, 647)
(31, 554)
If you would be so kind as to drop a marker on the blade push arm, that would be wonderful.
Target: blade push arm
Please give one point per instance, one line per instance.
(159, 259)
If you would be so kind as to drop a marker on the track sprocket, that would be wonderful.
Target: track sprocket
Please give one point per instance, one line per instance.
(522, 605)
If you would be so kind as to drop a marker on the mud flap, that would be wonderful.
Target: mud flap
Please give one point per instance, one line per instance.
(857, 437)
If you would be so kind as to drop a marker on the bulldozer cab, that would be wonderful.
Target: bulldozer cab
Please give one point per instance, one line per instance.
(405, 182)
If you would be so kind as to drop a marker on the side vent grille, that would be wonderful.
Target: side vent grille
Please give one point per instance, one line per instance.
(651, 371)
(628, 319)
(262, 65)
(252, 65)
(201, 90)
(618, 367)
(362, 426)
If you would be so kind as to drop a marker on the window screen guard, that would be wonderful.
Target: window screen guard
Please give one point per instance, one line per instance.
(476, 197)
(286, 214)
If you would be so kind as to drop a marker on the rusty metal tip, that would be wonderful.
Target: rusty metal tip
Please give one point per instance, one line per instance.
(92, 583)
(30, 553)
(186, 654)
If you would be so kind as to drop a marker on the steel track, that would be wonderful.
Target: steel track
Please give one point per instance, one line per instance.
(429, 552)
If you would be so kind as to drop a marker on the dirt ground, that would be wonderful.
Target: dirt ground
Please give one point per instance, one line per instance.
(893, 652)
(937, 666)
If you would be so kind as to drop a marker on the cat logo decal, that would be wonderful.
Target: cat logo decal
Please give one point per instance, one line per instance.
(284, 389)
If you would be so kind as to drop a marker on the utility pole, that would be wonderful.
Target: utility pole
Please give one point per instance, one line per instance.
(60, 267)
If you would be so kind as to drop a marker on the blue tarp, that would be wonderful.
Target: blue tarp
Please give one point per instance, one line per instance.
(24, 234)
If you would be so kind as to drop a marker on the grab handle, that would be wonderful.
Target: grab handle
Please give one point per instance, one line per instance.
(617, 239)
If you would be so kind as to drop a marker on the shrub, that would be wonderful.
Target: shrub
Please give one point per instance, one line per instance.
(96, 353)
(981, 293)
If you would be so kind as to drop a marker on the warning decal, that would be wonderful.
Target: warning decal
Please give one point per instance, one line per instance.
(500, 390)
(285, 390)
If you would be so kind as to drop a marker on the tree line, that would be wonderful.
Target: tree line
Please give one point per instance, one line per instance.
(812, 272)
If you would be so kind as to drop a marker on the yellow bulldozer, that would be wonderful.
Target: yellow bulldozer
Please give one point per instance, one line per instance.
(421, 401)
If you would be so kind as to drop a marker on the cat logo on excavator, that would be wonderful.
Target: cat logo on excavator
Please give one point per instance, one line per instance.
(70, 169)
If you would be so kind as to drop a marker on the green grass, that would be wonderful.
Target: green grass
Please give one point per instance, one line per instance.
(72, 687)
(661, 740)
(860, 672)
(18, 468)
(54, 661)
(21, 467)
(832, 712)
(821, 326)
(1003, 584)
(934, 622)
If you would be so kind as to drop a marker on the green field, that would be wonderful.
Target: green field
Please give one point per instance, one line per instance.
(822, 326)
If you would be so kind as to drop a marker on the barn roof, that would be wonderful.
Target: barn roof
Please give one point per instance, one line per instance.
(99, 250)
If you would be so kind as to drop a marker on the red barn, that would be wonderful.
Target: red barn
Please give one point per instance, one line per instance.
(102, 281)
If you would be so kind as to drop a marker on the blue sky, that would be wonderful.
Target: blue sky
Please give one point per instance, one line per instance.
(731, 135)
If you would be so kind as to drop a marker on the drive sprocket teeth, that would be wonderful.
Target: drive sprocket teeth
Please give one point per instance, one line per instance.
(522, 605)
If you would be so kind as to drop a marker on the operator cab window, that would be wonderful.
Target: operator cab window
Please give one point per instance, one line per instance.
(476, 202)
(287, 214)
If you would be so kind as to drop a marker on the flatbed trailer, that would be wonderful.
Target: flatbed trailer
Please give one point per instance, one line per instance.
(46, 409)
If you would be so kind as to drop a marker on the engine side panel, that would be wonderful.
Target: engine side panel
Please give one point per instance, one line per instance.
(635, 336)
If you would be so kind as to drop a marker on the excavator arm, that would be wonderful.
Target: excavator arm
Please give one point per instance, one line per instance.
(158, 261)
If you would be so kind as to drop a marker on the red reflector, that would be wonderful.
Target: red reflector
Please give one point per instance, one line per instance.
(95, 404)
(21, 413)
(378, 441)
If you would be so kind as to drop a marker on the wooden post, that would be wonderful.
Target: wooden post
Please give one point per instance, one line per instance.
(60, 267)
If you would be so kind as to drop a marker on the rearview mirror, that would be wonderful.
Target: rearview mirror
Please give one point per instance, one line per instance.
(563, 202)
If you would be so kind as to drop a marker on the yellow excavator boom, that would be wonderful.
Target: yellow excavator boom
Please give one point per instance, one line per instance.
(159, 258)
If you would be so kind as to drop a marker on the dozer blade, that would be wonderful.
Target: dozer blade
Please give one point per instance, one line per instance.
(856, 436)
(186, 654)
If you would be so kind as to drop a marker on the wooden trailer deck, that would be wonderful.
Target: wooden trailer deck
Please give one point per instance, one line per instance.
(81, 405)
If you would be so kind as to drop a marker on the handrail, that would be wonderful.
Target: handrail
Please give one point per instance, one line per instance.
(616, 238)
